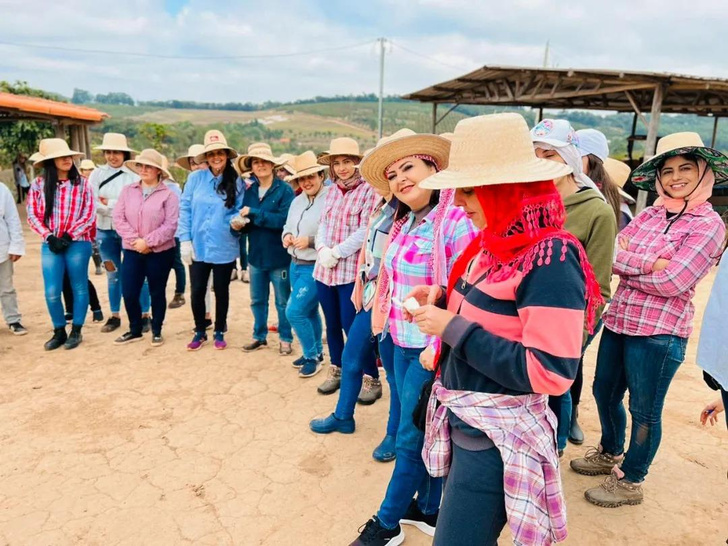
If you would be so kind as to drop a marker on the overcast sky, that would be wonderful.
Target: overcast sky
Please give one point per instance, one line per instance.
(448, 38)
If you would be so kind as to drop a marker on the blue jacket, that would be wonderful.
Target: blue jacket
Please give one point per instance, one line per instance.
(267, 218)
(204, 219)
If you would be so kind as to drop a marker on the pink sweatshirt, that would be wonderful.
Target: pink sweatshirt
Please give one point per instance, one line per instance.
(153, 219)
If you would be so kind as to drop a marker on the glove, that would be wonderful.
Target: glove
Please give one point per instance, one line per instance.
(67, 237)
(326, 258)
(187, 253)
(56, 245)
(335, 253)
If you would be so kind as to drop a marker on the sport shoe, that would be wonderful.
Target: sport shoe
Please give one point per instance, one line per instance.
(309, 368)
(301, 361)
(146, 325)
(17, 329)
(98, 315)
(157, 340)
(371, 391)
(385, 452)
(220, 342)
(615, 492)
(254, 346)
(197, 342)
(595, 463)
(373, 534)
(112, 324)
(414, 516)
(330, 424)
(127, 338)
(285, 348)
(177, 301)
(333, 381)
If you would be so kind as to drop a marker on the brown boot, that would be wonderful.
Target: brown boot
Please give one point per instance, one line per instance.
(615, 492)
(177, 302)
(595, 463)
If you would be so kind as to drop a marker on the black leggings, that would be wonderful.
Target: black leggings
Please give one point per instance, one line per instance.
(93, 297)
(578, 383)
(199, 275)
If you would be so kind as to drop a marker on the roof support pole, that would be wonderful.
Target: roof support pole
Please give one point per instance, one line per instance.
(651, 141)
(540, 115)
(75, 141)
(434, 118)
(60, 130)
(630, 142)
(715, 132)
(87, 140)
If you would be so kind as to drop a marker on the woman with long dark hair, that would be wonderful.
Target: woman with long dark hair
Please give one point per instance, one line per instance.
(62, 211)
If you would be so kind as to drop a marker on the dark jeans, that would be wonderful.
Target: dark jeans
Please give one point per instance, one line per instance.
(243, 251)
(153, 268)
(180, 274)
(260, 281)
(646, 366)
(93, 297)
(473, 510)
(199, 275)
(339, 314)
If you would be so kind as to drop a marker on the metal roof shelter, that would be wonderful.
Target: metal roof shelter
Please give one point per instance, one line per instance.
(585, 89)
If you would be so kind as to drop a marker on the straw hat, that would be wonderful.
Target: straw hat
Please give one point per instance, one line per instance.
(257, 150)
(305, 164)
(114, 142)
(619, 172)
(192, 152)
(87, 165)
(285, 162)
(214, 140)
(340, 146)
(493, 149)
(52, 148)
(403, 143)
(148, 157)
(645, 175)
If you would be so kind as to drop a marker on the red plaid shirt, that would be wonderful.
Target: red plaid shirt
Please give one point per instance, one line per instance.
(649, 303)
(74, 210)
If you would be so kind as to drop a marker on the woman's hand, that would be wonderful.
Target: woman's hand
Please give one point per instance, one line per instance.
(425, 295)
(432, 320)
(660, 264)
(624, 243)
(237, 223)
(427, 359)
(288, 240)
(300, 243)
(244, 211)
(141, 246)
(104, 200)
(711, 412)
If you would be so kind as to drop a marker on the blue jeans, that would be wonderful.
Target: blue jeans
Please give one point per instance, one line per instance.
(302, 310)
(180, 274)
(243, 242)
(74, 261)
(386, 353)
(359, 357)
(260, 281)
(339, 314)
(110, 249)
(409, 476)
(645, 365)
(154, 269)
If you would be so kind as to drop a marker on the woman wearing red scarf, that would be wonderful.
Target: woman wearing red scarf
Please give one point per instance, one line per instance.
(516, 303)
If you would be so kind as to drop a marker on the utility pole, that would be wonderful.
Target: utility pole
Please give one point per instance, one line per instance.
(546, 55)
(382, 43)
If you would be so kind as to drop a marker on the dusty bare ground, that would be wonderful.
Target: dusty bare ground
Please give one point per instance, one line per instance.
(134, 445)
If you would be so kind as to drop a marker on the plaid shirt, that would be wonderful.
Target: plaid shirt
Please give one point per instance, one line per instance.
(343, 225)
(523, 429)
(74, 210)
(649, 303)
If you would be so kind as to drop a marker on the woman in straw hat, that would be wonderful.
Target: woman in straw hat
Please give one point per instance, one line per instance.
(299, 238)
(146, 216)
(62, 211)
(510, 320)
(348, 207)
(264, 212)
(592, 221)
(427, 235)
(285, 171)
(211, 198)
(662, 255)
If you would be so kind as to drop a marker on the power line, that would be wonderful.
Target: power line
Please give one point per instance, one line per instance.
(432, 59)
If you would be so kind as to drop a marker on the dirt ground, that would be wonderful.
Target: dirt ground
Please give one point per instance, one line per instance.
(136, 445)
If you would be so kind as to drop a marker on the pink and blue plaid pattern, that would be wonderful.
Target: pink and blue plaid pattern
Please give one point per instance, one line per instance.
(74, 210)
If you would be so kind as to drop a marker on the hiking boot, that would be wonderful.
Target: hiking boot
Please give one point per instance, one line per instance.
(576, 435)
(74, 338)
(17, 329)
(112, 324)
(98, 316)
(128, 337)
(310, 368)
(254, 346)
(157, 340)
(177, 301)
(330, 424)
(595, 463)
(220, 342)
(285, 348)
(333, 381)
(373, 534)
(58, 339)
(414, 516)
(146, 325)
(197, 342)
(615, 492)
(302, 360)
(371, 391)
(385, 452)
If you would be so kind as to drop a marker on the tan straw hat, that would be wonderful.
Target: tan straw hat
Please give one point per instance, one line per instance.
(214, 140)
(403, 143)
(52, 148)
(87, 165)
(285, 161)
(114, 142)
(148, 157)
(340, 146)
(619, 172)
(305, 164)
(192, 152)
(493, 149)
(257, 150)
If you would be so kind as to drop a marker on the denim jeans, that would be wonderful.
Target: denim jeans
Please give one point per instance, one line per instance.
(153, 268)
(360, 357)
(302, 310)
(243, 241)
(199, 288)
(75, 261)
(260, 281)
(410, 475)
(386, 353)
(339, 314)
(110, 249)
(473, 511)
(646, 366)
(180, 274)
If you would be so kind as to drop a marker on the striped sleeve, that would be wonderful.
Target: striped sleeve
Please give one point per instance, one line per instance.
(86, 214)
(36, 210)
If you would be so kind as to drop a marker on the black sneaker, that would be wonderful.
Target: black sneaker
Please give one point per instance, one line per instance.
(112, 324)
(157, 340)
(374, 534)
(414, 516)
(98, 315)
(250, 347)
(301, 361)
(17, 329)
(127, 338)
(146, 325)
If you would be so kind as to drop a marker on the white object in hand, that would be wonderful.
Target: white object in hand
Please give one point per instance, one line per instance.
(187, 253)
(326, 258)
(411, 305)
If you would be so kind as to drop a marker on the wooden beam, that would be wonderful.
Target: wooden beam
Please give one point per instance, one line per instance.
(636, 109)
(651, 141)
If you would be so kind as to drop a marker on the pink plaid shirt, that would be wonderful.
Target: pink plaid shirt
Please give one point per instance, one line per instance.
(74, 210)
(649, 303)
(523, 429)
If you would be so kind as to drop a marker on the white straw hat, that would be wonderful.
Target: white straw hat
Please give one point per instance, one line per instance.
(403, 143)
(341, 146)
(87, 165)
(52, 148)
(490, 150)
(214, 140)
(257, 150)
(305, 164)
(114, 142)
(148, 157)
(192, 152)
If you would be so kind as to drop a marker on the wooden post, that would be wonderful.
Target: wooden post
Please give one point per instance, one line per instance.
(87, 140)
(715, 132)
(434, 118)
(540, 115)
(75, 141)
(60, 130)
(651, 141)
(630, 143)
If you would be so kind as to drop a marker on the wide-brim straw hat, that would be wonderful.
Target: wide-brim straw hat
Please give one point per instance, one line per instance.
(340, 146)
(257, 150)
(645, 175)
(619, 172)
(52, 148)
(192, 152)
(490, 150)
(403, 143)
(214, 140)
(114, 142)
(87, 165)
(148, 157)
(305, 164)
(285, 162)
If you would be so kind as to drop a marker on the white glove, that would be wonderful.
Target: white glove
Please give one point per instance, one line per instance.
(326, 258)
(187, 253)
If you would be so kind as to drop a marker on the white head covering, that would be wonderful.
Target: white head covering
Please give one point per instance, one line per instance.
(593, 142)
